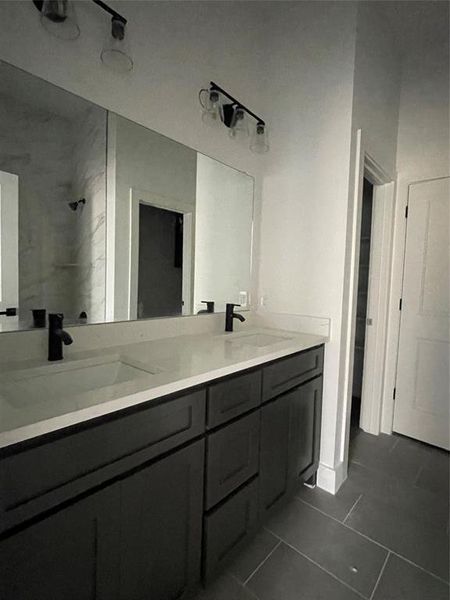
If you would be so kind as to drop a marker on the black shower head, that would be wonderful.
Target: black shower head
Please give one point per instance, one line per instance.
(74, 205)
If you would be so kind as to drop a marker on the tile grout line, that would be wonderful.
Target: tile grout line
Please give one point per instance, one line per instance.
(416, 479)
(376, 543)
(396, 443)
(297, 551)
(372, 595)
(241, 585)
(263, 561)
(352, 508)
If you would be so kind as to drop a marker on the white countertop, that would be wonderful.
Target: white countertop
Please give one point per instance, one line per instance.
(174, 364)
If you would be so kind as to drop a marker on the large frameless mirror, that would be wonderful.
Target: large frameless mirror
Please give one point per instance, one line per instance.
(102, 219)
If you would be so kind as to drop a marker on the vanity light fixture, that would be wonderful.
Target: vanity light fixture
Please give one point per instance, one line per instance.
(238, 127)
(259, 143)
(58, 18)
(116, 53)
(234, 115)
(211, 108)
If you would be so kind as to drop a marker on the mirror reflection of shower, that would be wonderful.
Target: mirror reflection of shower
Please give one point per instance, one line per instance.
(76, 203)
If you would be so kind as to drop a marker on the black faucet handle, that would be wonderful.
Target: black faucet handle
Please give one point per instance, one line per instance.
(55, 318)
(209, 305)
(232, 304)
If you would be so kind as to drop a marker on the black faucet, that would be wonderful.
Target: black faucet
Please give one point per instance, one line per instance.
(230, 315)
(57, 337)
(209, 307)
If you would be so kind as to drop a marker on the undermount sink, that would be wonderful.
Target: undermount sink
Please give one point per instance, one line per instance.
(56, 382)
(260, 340)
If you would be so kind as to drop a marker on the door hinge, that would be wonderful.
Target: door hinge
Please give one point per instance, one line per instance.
(400, 304)
(393, 393)
(406, 211)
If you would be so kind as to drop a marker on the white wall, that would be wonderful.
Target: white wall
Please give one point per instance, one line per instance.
(376, 92)
(223, 234)
(309, 80)
(423, 131)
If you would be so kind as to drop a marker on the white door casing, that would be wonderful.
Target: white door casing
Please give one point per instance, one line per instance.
(138, 197)
(9, 244)
(377, 305)
(422, 404)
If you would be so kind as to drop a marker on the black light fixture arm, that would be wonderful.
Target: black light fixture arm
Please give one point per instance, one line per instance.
(114, 14)
(111, 11)
(213, 87)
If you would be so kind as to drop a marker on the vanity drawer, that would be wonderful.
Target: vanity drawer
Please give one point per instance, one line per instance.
(38, 478)
(290, 372)
(227, 528)
(233, 397)
(232, 457)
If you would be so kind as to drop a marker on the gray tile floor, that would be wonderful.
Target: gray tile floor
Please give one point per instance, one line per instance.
(384, 536)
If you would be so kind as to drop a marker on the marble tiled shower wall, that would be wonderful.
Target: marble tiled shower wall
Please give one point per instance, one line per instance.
(90, 241)
(58, 158)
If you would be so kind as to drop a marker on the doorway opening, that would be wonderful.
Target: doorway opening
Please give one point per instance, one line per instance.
(362, 303)
(160, 269)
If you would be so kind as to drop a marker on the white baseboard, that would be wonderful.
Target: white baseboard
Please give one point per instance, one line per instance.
(330, 479)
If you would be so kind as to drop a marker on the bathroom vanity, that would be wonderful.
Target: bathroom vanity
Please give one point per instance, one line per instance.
(145, 501)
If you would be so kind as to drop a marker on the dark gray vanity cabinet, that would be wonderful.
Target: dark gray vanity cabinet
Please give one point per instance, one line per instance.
(71, 554)
(290, 426)
(140, 504)
(232, 457)
(228, 526)
(160, 527)
(274, 453)
(232, 397)
(287, 373)
(139, 538)
(305, 424)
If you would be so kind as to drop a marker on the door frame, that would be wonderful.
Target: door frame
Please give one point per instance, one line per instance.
(9, 245)
(377, 294)
(137, 198)
(380, 270)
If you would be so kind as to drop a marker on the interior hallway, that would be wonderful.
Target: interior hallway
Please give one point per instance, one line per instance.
(384, 536)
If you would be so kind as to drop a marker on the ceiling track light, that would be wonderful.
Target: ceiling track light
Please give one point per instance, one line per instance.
(234, 115)
(58, 18)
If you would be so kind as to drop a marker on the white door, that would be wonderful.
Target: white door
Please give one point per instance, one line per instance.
(9, 246)
(422, 404)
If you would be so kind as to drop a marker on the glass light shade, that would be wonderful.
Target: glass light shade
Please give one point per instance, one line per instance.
(211, 108)
(238, 129)
(116, 52)
(260, 143)
(58, 18)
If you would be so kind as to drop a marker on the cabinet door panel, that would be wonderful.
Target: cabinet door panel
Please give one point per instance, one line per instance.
(228, 526)
(306, 412)
(233, 457)
(287, 373)
(48, 474)
(232, 397)
(70, 555)
(161, 524)
(274, 457)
